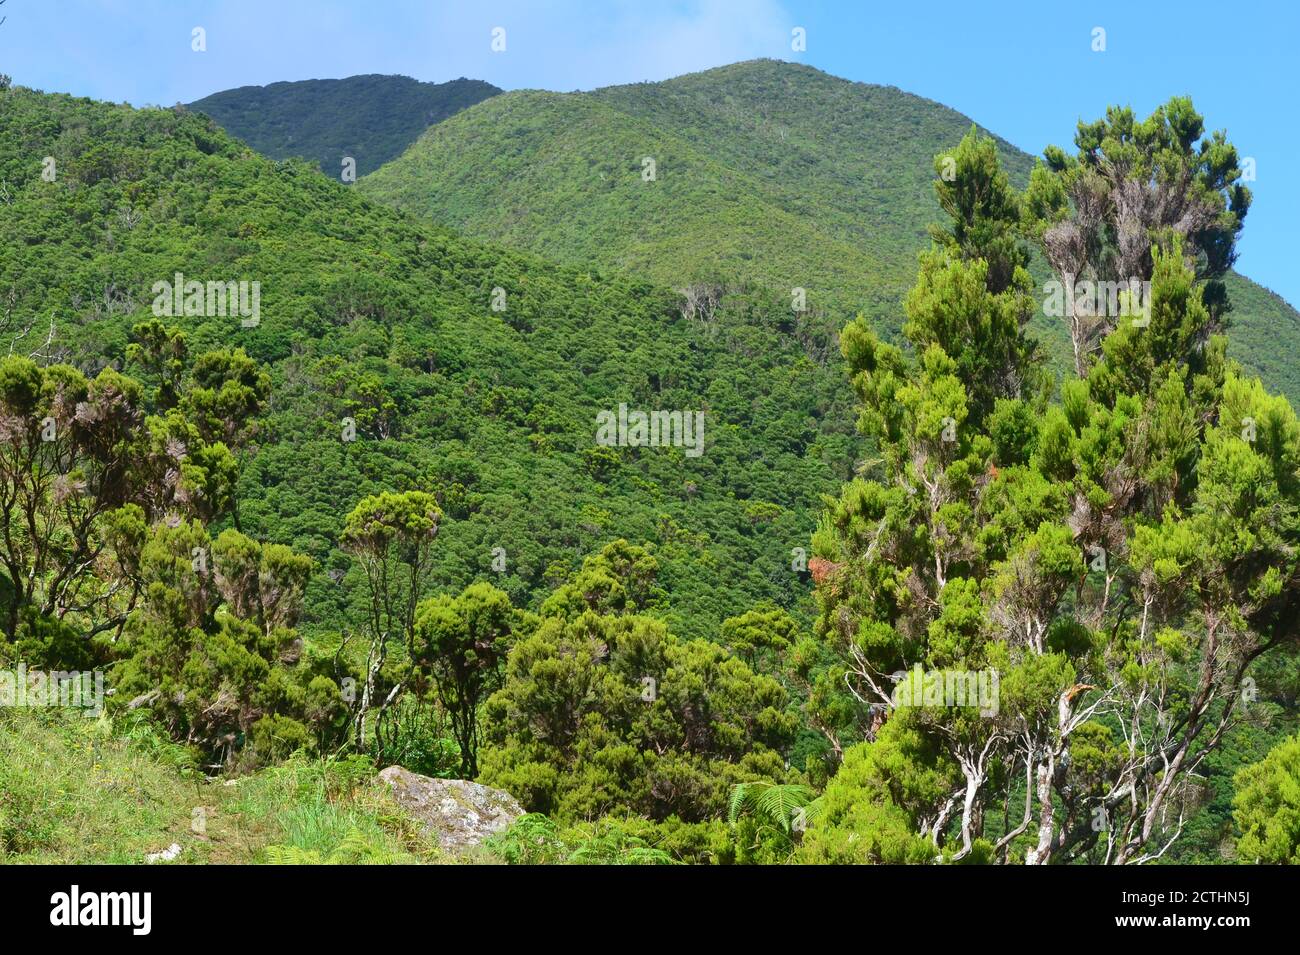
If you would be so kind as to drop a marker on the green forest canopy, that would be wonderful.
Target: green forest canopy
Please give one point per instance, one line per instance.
(767, 173)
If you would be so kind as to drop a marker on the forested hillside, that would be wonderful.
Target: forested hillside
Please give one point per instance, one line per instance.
(369, 118)
(765, 172)
(368, 315)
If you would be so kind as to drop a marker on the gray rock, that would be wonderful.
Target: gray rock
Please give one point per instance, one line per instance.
(456, 812)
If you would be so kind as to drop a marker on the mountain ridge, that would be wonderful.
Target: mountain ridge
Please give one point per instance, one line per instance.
(853, 162)
(370, 117)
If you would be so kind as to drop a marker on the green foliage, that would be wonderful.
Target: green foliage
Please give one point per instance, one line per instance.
(391, 536)
(974, 293)
(604, 712)
(371, 118)
(759, 181)
(219, 525)
(1133, 189)
(1119, 559)
(461, 643)
(778, 805)
(753, 186)
(211, 651)
(1267, 807)
(760, 637)
(369, 315)
(536, 840)
(620, 580)
(872, 809)
(769, 819)
(107, 558)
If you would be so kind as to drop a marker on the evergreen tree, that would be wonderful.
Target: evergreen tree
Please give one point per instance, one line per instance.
(1119, 562)
(1134, 187)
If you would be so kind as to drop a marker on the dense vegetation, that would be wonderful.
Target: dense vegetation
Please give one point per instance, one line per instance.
(370, 118)
(367, 316)
(370, 523)
(766, 172)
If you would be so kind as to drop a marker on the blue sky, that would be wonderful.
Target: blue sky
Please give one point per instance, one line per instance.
(1024, 70)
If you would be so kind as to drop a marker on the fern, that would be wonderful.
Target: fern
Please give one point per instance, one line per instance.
(536, 840)
(292, 855)
(355, 849)
(776, 805)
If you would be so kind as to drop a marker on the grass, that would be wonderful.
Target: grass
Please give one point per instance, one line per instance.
(78, 790)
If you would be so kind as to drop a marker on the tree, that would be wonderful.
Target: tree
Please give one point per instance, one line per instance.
(391, 536)
(210, 650)
(1118, 560)
(106, 554)
(1132, 188)
(974, 292)
(68, 453)
(227, 392)
(80, 461)
(263, 583)
(604, 710)
(161, 351)
(461, 644)
(874, 809)
(618, 580)
(760, 636)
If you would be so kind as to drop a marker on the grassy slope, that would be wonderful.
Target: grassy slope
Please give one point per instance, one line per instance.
(371, 118)
(768, 172)
(76, 790)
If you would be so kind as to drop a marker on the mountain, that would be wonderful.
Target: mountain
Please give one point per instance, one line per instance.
(370, 314)
(764, 172)
(371, 118)
(400, 355)
(751, 181)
